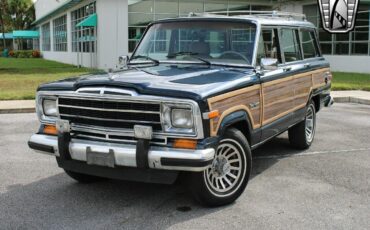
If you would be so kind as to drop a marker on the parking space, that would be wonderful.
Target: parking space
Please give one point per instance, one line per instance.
(325, 187)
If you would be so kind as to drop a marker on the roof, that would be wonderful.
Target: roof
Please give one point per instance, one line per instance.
(89, 21)
(69, 4)
(26, 34)
(258, 19)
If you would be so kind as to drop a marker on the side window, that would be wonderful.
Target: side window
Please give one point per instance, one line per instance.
(290, 45)
(309, 45)
(268, 45)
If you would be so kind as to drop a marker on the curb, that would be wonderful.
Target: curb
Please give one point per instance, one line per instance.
(20, 110)
(351, 100)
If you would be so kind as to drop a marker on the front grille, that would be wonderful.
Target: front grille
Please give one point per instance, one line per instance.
(110, 114)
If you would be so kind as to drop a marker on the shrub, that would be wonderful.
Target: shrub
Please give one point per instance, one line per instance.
(25, 54)
(36, 54)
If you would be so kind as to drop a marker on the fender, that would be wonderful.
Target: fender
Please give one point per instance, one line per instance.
(234, 118)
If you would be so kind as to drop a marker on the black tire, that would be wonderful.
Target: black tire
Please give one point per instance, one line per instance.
(204, 185)
(298, 136)
(83, 178)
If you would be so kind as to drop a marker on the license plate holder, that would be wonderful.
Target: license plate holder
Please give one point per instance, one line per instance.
(100, 158)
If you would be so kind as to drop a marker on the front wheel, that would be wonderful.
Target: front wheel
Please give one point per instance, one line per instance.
(228, 176)
(301, 135)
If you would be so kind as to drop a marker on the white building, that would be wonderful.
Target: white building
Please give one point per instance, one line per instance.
(120, 24)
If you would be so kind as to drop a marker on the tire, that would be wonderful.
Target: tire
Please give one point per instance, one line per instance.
(302, 135)
(228, 176)
(83, 178)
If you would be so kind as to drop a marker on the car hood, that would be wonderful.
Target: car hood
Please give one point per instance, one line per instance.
(193, 82)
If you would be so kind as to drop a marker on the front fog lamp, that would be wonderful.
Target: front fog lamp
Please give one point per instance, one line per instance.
(49, 107)
(182, 118)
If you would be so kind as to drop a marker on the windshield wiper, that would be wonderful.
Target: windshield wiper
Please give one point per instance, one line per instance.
(156, 62)
(191, 54)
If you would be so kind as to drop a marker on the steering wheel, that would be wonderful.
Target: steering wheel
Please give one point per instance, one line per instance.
(234, 53)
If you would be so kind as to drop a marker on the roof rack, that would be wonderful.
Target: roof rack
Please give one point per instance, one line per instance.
(274, 13)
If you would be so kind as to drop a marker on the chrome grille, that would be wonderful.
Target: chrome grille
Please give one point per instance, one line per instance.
(110, 114)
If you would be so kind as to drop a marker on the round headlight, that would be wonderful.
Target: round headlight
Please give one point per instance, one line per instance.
(182, 118)
(49, 107)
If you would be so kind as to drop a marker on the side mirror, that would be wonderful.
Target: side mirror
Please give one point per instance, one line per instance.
(123, 60)
(269, 63)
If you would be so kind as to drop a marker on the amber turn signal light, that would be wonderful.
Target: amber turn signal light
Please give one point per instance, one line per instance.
(50, 129)
(213, 114)
(185, 144)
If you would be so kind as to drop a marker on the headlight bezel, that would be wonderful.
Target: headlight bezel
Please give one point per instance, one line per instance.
(167, 116)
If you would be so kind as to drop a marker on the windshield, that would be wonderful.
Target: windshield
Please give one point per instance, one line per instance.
(206, 42)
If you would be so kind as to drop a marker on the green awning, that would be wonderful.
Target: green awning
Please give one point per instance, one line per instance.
(89, 21)
(7, 36)
(25, 34)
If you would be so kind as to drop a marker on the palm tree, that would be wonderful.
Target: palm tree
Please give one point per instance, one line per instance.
(3, 7)
(24, 13)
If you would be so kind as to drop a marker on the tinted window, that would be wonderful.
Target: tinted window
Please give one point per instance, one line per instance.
(290, 45)
(309, 44)
(268, 46)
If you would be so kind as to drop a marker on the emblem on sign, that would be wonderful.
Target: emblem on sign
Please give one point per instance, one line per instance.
(338, 16)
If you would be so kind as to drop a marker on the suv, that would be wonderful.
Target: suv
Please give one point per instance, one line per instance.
(196, 97)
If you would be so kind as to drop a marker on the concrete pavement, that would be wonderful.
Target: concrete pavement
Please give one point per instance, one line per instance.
(324, 187)
(351, 96)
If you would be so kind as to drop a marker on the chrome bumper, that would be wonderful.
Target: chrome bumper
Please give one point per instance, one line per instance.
(329, 102)
(125, 154)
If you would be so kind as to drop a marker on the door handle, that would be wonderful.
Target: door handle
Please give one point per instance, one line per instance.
(286, 69)
(307, 65)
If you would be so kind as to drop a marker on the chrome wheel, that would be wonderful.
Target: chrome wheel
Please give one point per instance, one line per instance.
(227, 170)
(310, 124)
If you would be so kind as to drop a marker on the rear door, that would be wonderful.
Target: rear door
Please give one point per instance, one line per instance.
(278, 86)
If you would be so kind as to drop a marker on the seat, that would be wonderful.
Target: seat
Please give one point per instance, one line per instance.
(201, 48)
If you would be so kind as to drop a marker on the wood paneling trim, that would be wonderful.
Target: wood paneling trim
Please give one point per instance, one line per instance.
(265, 93)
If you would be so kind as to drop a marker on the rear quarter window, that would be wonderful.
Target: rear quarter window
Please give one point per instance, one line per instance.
(309, 44)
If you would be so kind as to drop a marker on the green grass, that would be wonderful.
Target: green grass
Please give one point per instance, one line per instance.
(351, 81)
(19, 78)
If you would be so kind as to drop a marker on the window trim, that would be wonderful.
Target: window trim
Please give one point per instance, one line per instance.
(55, 43)
(296, 30)
(279, 53)
(43, 38)
(315, 43)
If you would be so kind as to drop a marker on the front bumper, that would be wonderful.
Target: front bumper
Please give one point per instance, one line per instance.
(125, 154)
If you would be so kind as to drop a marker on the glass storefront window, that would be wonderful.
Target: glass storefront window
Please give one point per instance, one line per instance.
(326, 48)
(341, 48)
(142, 12)
(360, 48)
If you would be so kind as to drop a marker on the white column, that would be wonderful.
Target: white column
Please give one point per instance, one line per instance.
(51, 24)
(69, 32)
(112, 32)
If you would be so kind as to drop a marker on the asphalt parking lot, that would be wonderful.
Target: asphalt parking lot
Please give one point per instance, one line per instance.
(325, 187)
